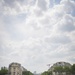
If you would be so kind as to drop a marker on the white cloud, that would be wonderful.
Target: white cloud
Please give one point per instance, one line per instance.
(66, 24)
(33, 33)
(16, 7)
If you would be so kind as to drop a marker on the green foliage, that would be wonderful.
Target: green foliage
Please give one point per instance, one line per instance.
(27, 73)
(47, 73)
(3, 71)
(58, 69)
(50, 73)
(73, 69)
(67, 70)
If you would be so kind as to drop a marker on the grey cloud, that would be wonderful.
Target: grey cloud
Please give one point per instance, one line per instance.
(8, 7)
(65, 52)
(27, 2)
(5, 49)
(69, 6)
(72, 59)
(9, 3)
(51, 3)
(57, 1)
(59, 39)
(68, 27)
(71, 49)
(16, 6)
(42, 4)
(66, 24)
(4, 61)
(12, 3)
(54, 2)
(38, 12)
(47, 22)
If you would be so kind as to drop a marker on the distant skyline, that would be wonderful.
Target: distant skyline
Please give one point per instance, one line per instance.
(35, 33)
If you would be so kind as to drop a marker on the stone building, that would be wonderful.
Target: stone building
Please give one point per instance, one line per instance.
(62, 64)
(16, 69)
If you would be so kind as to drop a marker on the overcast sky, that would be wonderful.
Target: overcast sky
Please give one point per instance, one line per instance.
(35, 33)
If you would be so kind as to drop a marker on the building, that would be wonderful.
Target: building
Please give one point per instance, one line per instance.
(62, 64)
(23, 69)
(16, 69)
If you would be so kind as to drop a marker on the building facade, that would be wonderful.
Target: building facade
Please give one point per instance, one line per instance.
(58, 64)
(16, 69)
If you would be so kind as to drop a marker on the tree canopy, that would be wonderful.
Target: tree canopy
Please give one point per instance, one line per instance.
(27, 73)
(73, 69)
(47, 73)
(3, 71)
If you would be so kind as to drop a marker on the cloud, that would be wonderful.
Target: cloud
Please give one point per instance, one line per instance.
(66, 24)
(69, 9)
(35, 34)
(42, 4)
(58, 39)
(16, 7)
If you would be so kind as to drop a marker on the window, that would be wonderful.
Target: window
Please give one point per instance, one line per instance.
(13, 73)
(14, 68)
(17, 73)
(59, 62)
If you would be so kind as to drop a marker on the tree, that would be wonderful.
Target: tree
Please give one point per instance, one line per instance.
(58, 69)
(27, 73)
(44, 73)
(67, 70)
(50, 73)
(73, 69)
(47, 73)
(3, 71)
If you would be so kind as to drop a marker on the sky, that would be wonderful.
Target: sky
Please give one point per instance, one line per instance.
(35, 33)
